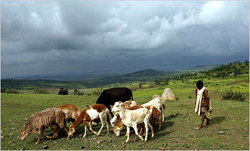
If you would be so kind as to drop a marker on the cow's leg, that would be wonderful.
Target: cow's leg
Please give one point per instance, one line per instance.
(90, 127)
(128, 132)
(152, 130)
(44, 135)
(136, 131)
(159, 123)
(85, 128)
(63, 124)
(107, 124)
(101, 116)
(56, 129)
(39, 134)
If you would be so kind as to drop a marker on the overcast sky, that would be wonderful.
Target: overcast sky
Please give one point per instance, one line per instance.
(76, 37)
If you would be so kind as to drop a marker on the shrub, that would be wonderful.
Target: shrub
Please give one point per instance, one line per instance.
(41, 91)
(77, 92)
(97, 91)
(227, 94)
(63, 91)
(238, 96)
(9, 90)
(3, 90)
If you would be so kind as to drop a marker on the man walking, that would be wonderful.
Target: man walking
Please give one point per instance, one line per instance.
(202, 104)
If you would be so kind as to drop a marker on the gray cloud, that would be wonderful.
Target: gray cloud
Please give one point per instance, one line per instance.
(51, 37)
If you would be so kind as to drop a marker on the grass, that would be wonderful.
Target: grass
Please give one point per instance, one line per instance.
(229, 127)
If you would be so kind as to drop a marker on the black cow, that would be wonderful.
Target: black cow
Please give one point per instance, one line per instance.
(110, 96)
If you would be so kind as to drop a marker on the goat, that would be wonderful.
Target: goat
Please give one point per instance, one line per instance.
(88, 115)
(127, 105)
(39, 121)
(118, 125)
(158, 104)
(71, 111)
(131, 118)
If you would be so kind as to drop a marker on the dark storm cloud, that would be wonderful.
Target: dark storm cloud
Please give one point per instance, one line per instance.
(51, 37)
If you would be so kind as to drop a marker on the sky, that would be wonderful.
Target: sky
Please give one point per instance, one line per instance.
(60, 37)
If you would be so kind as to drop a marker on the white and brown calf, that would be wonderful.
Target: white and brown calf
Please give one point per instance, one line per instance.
(127, 105)
(96, 111)
(118, 125)
(131, 118)
(72, 112)
(159, 104)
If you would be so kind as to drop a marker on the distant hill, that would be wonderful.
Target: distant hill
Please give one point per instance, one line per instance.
(145, 75)
(198, 68)
(231, 69)
(146, 72)
(40, 84)
(76, 77)
(39, 81)
(141, 76)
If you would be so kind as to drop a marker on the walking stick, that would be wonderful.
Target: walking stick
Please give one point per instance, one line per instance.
(189, 112)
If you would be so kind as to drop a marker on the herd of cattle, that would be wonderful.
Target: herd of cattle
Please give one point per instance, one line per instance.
(126, 113)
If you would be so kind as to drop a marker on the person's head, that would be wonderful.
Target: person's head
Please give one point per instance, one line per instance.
(199, 84)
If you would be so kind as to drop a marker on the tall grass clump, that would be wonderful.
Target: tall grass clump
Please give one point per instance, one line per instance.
(238, 96)
(230, 95)
(3, 90)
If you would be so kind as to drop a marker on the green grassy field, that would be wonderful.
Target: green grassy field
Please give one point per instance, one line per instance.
(229, 127)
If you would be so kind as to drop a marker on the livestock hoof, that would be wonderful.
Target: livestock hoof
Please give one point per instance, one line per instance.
(55, 135)
(94, 123)
(126, 141)
(49, 137)
(37, 142)
(153, 135)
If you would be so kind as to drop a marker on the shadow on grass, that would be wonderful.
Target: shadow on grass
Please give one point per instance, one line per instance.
(159, 135)
(172, 116)
(217, 120)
